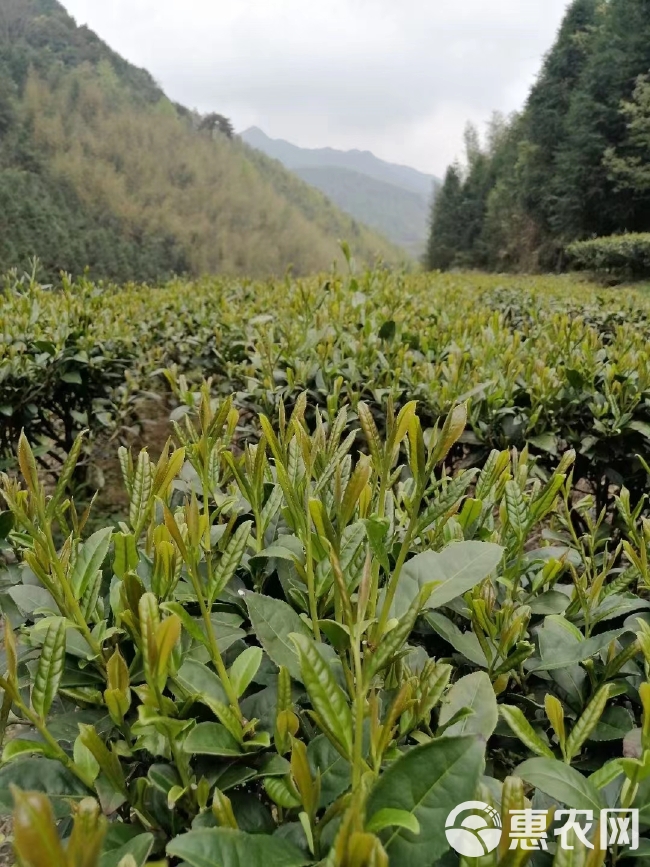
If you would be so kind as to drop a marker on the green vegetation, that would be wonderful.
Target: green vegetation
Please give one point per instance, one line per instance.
(550, 363)
(391, 543)
(99, 170)
(572, 165)
(393, 554)
(626, 256)
(393, 199)
(400, 215)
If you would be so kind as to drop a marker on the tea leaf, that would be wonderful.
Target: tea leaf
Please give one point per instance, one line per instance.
(50, 668)
(273, 621)
(244, 669)
(36, 840)
(517, 721)
(327, 698)
(559, 781)
(230, 560)
(90, 556)
(211, 739)
(587, 722)
(474, 692)
(427, 782)
(458, 568)
(206, 847)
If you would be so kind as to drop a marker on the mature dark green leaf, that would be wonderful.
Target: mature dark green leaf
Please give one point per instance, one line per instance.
(614, 725)
(197, 679)
(551, 602)
(225, 847)
(465, 643)
(30, 598)
(458, 567)
(560, 646)
(139, 848)
(562, 782)
(335, 771)
(475, 692)
(273, 621)
(6, 524)
(41, 775)
(427, 782)
(211, 739)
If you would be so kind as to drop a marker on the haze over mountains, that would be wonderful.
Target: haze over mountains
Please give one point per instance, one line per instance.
(393, 199)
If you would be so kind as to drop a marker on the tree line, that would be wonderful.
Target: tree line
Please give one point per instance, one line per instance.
(573, 164)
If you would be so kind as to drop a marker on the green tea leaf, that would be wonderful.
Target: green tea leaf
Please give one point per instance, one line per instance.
(36, 840)
(335, 771)
(474, 691)
(559, 647)
(244, 669)
(230, 560)
(517, 721)
(427, 782)
(139, 848)
(459, 567)
(273, 621)
(50, 668)
(227, 847)
(327, 698)
(557, 780)
(198, 680)
(466, 643)
(16, 747)
(41, 775)
(587, 722)
(211, 739)
(90, 556)
(391, 818)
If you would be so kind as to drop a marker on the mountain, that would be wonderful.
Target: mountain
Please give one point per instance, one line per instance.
(399, 214)
(100, 170)
(364, 162)
(392, 198)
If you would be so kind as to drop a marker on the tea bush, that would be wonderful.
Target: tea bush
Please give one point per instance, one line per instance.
(310, 648)
(547, 362)
(626, 256)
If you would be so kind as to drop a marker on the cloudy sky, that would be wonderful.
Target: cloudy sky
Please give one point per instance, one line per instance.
(398, 77)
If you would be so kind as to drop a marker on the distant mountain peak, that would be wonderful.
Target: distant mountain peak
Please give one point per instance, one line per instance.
(294, 156)
(392, 198)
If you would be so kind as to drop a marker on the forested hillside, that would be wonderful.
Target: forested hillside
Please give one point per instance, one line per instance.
(399, 214)
(391, 198)
(572, 165)
(99, 170)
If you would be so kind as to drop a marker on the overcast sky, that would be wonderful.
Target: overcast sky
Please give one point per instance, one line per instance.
(398, 77)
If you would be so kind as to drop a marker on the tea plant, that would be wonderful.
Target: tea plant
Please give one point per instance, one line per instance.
(314, 646)
(548, 362)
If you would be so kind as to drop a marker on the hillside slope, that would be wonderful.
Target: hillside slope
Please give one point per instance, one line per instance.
(99, 169)
(393, 199)
(366, 163)
(399, 214)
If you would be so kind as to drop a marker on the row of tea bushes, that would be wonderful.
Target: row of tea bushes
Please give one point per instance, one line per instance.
(291, 652)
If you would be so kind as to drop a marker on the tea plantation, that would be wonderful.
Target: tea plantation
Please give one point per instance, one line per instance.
(392, 558)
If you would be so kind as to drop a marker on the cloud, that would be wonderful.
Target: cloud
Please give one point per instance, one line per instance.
(399, 77)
